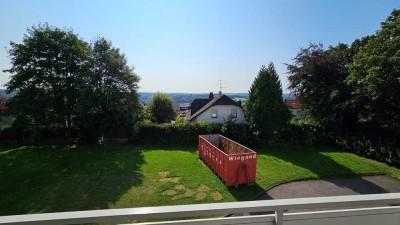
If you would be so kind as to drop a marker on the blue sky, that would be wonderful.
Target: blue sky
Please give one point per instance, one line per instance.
(185, 46)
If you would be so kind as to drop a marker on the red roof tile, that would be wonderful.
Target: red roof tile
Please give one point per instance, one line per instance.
(293, 104)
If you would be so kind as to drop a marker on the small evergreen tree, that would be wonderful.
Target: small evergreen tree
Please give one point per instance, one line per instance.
(161, 108)
(265, 106)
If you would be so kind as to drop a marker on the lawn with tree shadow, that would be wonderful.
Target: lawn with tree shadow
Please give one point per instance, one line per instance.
(36, 179)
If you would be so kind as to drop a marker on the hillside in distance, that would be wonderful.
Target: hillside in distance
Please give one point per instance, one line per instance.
(179, 98)
(3, 92)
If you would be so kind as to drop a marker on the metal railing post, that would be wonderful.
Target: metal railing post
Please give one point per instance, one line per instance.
(113, 222)
(279, 217)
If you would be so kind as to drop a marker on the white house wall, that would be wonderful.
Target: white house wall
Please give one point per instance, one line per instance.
(223, 112)
(297, 113)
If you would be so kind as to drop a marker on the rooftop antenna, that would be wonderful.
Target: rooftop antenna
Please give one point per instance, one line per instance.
(220, 82)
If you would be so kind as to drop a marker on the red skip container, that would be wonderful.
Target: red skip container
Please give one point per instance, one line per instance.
(231, 161)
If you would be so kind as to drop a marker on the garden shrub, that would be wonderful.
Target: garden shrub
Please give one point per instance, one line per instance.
(11, 133)
(175, 134)
(17, 133)
(298, 133)
(294, 133)
(245, 134)
(188, 133)
(55, 133)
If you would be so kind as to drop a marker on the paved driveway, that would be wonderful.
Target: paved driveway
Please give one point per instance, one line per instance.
(333, 187)
(330, 187)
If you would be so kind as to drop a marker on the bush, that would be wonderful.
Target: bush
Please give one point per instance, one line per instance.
(176, 134)
(10, 133)
(300, 134)
(13, 133)
(161, 108)
(55, 133)
(188, 133)
(245, 134)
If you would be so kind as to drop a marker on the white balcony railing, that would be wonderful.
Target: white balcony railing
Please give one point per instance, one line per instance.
(378, 209)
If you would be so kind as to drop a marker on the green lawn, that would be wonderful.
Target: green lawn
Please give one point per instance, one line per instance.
(65, 178)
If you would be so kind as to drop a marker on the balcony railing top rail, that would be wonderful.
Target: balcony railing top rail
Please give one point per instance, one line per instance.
(114, 216)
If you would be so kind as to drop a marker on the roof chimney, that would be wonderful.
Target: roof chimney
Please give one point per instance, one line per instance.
(211, 96)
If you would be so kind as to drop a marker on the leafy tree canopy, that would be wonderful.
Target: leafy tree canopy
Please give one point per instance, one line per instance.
(45, 70)
(62, 81)
(375, 75)
(109, 101)
(317, 79)
(161, 108)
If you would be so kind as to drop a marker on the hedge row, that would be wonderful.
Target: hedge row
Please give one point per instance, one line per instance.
(246, 134)
(301, 134)
(382, 149)
(11, 133)
(293, 134)
(187, 134)
(173, 134)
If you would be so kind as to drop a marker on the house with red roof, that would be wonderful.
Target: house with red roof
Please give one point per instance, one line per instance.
(295, 107)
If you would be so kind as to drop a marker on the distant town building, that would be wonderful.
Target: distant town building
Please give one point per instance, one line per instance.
(215, 109)
(184, 106)
(142, 103)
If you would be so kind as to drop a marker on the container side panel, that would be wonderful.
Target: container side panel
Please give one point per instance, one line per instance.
(235, 165)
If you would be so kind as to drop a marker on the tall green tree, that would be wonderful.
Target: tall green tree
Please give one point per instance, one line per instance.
(109, 102)
(62, 81)
(375, 75)
(265, 106)
(161, 108)
(45, 75)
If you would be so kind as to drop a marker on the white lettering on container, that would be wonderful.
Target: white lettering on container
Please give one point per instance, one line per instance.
(241, 158)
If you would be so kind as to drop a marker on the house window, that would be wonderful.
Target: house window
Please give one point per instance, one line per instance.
(234, 113)
(214, 113)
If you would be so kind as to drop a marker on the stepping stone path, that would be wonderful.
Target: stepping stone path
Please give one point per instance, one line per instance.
(169, 192)
(216, 195)
(200, 196)
(170, 179)
(203, 187)
(188, 193)
(180, 187)
(163, 173)
(180, 191)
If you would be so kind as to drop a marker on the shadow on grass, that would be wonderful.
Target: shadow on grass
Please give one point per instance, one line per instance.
(242, 192)
(38, 179)
(185, 148)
